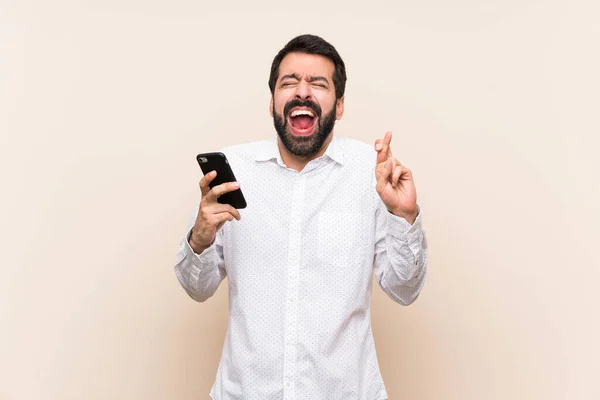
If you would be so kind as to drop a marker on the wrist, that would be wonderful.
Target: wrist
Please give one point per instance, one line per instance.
(198, 248)
(409, 216)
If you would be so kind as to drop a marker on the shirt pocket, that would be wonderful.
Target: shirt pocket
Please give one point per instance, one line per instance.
(341, 239)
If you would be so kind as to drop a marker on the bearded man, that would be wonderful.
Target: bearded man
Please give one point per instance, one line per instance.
(324, 212)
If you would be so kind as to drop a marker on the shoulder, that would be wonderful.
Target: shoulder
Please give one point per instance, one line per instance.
(360, 159)
(245, 152)
(357, 151)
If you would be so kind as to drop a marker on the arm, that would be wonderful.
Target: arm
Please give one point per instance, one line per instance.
(199, 266)
(400, 260)
(200, 274)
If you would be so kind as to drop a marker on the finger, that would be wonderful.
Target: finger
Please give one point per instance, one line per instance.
(384, 170)
(396, 175)
(382, 155)
(217, 208)
(221, 189)
(223, 217)
(406, 174)
(387, 138)
(389, 148)
(205, 181)
(377, 144)
(383, 165)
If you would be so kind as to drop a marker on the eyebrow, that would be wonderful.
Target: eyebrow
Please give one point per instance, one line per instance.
(318, 78)
(311, 79)
(291, 76)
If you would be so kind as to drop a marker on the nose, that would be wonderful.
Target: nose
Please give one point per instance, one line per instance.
(303, 91)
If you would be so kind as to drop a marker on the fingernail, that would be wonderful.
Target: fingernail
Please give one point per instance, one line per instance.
(235, 185)
(387, 163)
(378, 146)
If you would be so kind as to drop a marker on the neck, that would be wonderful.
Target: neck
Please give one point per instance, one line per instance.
(298, 163)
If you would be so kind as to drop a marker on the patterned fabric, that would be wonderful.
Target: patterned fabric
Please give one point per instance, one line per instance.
(299, 267)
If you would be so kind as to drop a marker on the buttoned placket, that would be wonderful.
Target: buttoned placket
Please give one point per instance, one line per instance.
(293, 264)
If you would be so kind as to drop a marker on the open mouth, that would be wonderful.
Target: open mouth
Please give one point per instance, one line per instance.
(302, 121)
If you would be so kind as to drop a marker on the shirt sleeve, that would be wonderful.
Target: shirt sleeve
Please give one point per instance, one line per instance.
(400, 260)
(200, 274)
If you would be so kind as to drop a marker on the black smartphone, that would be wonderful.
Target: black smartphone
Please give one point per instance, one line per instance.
(218, 162)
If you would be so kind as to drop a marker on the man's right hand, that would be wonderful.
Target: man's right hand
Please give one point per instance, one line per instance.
(212, 214)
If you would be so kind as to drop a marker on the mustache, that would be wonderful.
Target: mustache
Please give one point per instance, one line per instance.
(302, 103)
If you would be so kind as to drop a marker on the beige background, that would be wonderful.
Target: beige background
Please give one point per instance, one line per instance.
(104, 105)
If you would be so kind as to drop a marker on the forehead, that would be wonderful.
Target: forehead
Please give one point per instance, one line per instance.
(306, 65)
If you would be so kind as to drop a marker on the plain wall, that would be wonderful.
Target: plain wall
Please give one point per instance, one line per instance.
(104, 105)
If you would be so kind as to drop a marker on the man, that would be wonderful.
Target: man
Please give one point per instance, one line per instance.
(323, 213)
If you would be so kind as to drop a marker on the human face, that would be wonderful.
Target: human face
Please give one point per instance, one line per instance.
(303, 106)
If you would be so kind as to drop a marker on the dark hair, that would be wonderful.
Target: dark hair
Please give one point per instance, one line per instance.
(311, 44)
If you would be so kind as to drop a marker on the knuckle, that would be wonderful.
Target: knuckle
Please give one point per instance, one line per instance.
(217, 190)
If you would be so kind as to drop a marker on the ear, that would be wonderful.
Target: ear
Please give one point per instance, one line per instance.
(339, 108)
(271, 106)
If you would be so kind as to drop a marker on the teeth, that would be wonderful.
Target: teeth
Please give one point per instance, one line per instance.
(302, 112)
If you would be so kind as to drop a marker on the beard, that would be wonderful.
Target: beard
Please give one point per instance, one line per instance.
(304, 146)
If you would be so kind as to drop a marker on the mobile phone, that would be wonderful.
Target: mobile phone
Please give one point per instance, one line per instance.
(218, 162)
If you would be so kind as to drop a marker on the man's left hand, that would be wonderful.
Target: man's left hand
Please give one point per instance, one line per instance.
(395, 183)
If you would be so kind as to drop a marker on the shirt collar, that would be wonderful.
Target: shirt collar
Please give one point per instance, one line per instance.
(270, 151)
